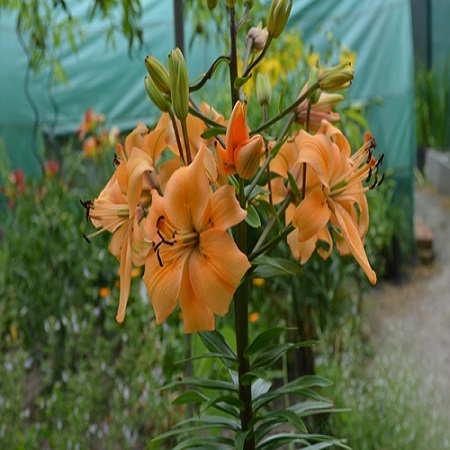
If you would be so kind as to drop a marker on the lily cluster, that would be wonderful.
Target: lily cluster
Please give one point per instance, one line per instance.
(176, 218)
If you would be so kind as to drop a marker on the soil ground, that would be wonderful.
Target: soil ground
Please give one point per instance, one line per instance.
(414, 314)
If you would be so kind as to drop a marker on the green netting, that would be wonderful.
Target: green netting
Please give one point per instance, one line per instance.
(379, 31)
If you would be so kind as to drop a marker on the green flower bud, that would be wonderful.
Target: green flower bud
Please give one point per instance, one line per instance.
(159, 74)
(211, 4)
(179, 83)
(278, 15)
(336, 78)
(313, 79)
(263, 88)
(155, 95)
(231, 3)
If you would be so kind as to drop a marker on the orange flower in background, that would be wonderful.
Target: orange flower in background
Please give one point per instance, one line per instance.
(321, 110)
(242, 153)
(194, 261)
(337, 194)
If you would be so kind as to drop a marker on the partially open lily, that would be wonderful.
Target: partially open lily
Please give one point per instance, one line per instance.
(119, 210)
(194, 260)
(242, 153)
(337, 195)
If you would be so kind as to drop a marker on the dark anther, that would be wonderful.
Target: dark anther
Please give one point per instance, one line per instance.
(369, 156)
(375, 183)
(163, 239)
(87, 239)
(381, 181)
(116, 160)
(380, 160)
(156, 247)
(87, 205)
(159, 258)
(369, 175)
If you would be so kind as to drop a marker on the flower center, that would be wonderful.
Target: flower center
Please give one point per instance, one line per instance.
(170, 236)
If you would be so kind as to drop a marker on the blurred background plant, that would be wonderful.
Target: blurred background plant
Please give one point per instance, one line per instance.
(432, 106)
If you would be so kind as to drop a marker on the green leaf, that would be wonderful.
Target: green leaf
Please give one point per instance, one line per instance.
(205, 356)
(281, 417)
(226, 403)
(294, 187)
(216, 343)
(260, 387)
(276, 441)
(268, 266)
(190, 397)
(257, 190)
(156, 442)
(270, 356)
(300, 386)
(253, 217)
(202, 382)
(213, 132)
(263, 339)
(205, 443)
(241, 437)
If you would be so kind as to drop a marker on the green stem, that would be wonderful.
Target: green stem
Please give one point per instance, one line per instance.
(177, 136)
(242, 293)
(241, 320)
(287, 110)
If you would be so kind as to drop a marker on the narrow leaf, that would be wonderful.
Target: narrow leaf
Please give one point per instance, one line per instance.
(263, 339)
(213, 132)
(252, 217)
(294, 187)
(190, 397)
(201, 382)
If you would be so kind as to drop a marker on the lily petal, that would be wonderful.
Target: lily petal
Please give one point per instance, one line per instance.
(311, 215)
(353, 240)
(187, 194)
(224, 209)
(164, 282)
(216, 268)
(197, 316)
(247, 156)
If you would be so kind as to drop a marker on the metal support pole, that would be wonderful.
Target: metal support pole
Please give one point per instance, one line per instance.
(178, 11)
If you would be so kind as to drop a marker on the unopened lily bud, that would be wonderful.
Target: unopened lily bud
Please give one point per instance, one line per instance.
(231, 3)
(211, 4)
(278, 15)
(312, 80)
(259, 37)
(247, 156)
(263, 88)
(159, 74)
(249, 3)
(336, 78)
(155, 95)
(179, 83)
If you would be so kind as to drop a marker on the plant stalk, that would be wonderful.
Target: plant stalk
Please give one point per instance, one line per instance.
(242, 293)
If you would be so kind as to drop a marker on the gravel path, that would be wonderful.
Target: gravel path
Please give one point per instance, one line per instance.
(414, 316)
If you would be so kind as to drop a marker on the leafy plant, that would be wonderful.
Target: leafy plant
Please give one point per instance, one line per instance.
(432, 106)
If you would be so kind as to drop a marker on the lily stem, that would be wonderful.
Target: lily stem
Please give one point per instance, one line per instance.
(242, 293)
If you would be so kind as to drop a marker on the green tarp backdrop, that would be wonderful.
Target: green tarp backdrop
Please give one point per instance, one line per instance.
(111, 81)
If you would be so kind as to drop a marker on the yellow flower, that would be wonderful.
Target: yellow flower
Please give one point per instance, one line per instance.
(194, 260)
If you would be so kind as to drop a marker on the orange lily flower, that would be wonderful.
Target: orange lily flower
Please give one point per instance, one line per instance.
(194, 259)
(287, 161)
(337, 194)
(119, 210)
(243, 153)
